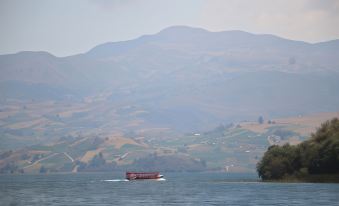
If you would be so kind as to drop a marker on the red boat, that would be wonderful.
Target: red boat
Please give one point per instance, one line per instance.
(143, 175)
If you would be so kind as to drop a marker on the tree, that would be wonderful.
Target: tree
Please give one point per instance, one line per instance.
(10, 167)
(277, 162)
(260, 120)
(97, 161)
(43, 169)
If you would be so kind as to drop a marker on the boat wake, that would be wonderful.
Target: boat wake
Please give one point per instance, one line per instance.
(126, 180)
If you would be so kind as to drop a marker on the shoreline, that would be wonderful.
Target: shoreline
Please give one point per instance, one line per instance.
(323, 178)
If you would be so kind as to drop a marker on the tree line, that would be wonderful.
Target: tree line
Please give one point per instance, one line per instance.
(317, 156)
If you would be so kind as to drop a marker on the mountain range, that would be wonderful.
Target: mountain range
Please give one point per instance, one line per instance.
(181, 79)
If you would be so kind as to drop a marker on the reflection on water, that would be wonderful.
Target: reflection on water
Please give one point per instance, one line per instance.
(178, 189)
(116, 180)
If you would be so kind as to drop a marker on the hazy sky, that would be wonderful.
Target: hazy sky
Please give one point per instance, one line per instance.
(65, 27)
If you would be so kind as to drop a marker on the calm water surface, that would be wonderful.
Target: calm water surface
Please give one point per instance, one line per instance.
(178, 189)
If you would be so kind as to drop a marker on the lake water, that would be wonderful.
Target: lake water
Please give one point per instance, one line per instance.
(178, 189)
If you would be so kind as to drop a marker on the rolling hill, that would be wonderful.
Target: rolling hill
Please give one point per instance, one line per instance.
(229, 148)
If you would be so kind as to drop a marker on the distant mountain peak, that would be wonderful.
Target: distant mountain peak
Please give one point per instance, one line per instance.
(182, 29)
(31, 54)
